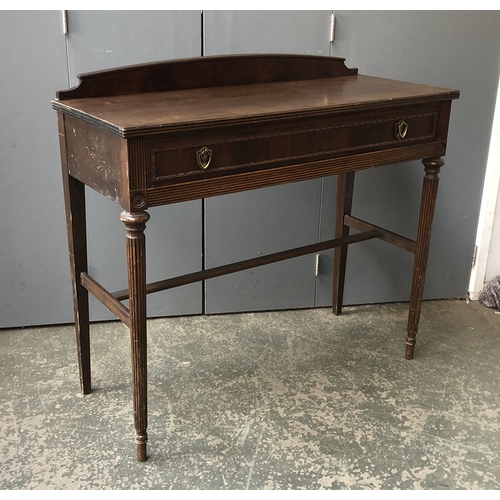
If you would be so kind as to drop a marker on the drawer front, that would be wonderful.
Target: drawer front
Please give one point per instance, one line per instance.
(184, 157)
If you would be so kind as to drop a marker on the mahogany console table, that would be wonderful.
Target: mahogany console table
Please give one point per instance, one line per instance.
(173, 131)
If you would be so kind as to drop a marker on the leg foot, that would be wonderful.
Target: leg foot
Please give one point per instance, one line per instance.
(409, 348)
(140, 444)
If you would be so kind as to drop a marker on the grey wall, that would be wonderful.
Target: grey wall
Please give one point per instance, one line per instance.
(451, 49)
(106, 39)
(425, 47)
(36, 59)
(430, 48)
(34, 277)
(246, 225)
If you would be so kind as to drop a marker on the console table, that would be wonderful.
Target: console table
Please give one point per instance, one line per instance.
(167, 132)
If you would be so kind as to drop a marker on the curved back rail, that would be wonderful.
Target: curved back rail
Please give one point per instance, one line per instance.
(203, 72)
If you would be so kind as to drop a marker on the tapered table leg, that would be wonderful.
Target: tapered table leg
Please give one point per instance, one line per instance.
(135, 223)
(427, 208)
(74, 195)
(345, 187)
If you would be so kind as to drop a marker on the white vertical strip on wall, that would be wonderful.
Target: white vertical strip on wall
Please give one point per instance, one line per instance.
(488, 230)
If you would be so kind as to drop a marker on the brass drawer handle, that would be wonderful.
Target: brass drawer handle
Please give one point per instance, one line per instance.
(401, 129)
(203, 157)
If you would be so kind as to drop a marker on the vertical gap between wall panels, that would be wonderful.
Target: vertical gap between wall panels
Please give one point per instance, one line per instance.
(202, 18)
(317, 267)
(66, 44)
(332, 33)
(203, 216)
(322, 184)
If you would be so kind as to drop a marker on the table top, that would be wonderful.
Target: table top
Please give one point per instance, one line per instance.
(178, 130)
(153, 112)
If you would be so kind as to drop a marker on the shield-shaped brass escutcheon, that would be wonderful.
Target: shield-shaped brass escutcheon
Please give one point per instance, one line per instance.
(203, 157)
(401, 129)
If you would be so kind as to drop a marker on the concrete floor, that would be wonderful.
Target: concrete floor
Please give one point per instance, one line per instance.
(279, 400)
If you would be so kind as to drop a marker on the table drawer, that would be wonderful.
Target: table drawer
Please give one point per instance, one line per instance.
(179, 158)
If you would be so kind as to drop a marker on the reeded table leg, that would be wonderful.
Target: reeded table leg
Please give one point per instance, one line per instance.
(135, 223)
(345, 187)
(74, 195)
(427, 208)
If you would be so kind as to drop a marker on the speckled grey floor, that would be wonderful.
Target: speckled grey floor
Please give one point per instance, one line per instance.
(280, 400)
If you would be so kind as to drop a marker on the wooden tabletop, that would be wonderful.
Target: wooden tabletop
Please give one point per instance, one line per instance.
(141, 113)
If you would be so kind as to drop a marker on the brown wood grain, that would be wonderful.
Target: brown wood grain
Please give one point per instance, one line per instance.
(129, 115)
(132, 134)
(207, 71)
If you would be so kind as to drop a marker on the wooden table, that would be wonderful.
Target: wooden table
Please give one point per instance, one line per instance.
(173, 131)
